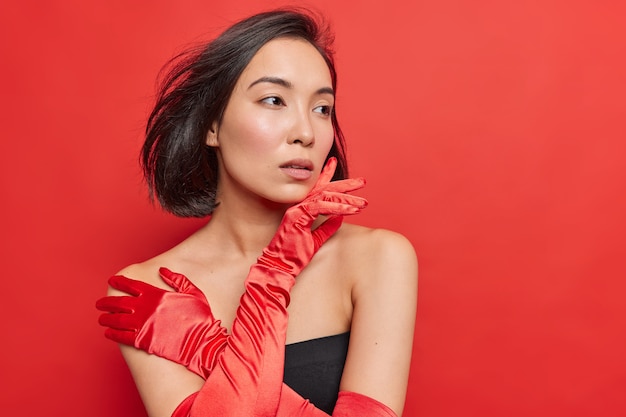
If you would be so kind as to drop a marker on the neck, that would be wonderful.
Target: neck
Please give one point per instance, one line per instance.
(245, 229)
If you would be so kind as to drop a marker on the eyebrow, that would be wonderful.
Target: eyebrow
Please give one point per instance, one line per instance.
(284, 83)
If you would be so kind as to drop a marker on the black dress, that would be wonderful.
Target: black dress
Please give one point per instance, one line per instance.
(313, 369)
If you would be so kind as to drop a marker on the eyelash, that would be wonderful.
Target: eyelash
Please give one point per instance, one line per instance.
(326, 110)
(273, 101)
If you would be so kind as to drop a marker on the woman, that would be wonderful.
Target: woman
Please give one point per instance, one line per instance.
(245, 131)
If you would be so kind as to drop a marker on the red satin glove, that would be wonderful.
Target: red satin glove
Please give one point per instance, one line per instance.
(178, 326)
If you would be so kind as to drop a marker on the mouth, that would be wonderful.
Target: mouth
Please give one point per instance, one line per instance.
(298, 169)
(303, 164)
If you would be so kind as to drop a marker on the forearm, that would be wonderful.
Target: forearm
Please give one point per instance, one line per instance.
(247, 380)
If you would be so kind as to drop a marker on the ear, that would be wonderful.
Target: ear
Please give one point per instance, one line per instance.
(211, 136)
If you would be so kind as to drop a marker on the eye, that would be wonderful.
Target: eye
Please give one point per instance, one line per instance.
(273, 101)
(324, 110)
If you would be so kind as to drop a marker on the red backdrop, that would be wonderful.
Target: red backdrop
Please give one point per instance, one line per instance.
(492, 135)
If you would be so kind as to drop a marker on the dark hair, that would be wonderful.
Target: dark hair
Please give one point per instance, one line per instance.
(180, 169)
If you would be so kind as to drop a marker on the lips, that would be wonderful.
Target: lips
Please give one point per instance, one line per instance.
(298, 169)
(298, 164)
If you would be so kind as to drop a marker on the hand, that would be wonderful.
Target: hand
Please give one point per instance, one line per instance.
(294, 243)
(178, 326)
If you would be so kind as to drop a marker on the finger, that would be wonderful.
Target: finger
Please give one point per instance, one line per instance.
(326, 174)
(328, 201)
(115, 304)
(129, 286)
(170, 278)
(179, 282)
(328, 208)
(118, 321)
(344, 186)
(331, 196)
(325, 231)
(121, 336)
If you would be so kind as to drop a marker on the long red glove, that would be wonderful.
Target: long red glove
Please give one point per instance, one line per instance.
(247, 380)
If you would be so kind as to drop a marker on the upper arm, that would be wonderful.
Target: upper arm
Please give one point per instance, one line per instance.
(381, 340)
(162, 384)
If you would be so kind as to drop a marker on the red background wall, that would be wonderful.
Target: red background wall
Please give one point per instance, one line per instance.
(491, 134)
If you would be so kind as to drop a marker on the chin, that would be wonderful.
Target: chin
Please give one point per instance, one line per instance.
(289, 198)
(296, 192)
(292, 201)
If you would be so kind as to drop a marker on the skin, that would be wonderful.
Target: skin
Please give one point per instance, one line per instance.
(363, 280)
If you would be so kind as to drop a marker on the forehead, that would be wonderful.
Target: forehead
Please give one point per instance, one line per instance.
(293, 59)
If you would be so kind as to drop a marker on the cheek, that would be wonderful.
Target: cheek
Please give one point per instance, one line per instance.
(254, 134)
(326, 138)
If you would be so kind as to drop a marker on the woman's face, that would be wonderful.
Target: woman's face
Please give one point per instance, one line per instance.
(276, 130)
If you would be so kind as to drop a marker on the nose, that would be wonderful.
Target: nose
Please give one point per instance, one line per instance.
(302, 132)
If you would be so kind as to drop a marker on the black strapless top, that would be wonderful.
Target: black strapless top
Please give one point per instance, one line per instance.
(313, 369)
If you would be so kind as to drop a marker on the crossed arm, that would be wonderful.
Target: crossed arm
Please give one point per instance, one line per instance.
(384, 295)
(380, 346)
(244, 370)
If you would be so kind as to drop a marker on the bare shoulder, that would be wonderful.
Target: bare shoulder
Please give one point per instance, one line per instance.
(377, 252)
(375, 239)
(146, 271)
